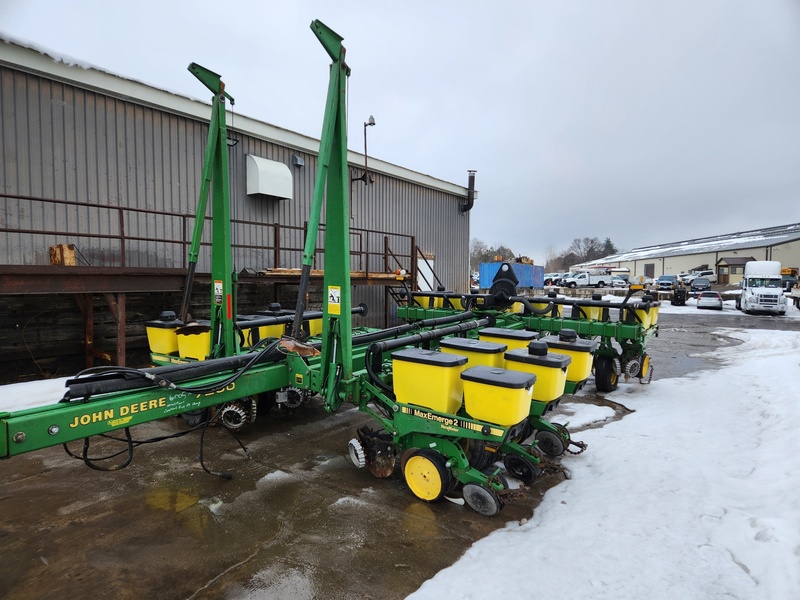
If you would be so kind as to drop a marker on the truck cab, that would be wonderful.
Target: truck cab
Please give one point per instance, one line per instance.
(762, 289)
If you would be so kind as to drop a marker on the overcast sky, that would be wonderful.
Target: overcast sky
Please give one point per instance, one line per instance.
(643, 121)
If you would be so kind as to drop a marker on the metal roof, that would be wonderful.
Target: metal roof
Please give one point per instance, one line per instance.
(733, 261)
(755, 238)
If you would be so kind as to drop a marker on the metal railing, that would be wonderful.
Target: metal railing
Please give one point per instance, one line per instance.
(112, 234)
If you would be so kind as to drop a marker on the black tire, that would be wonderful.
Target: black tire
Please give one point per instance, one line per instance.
(481, 500)
(195, 417)
(550, 443)
(601, 284)
(521, 468)
(573, 284)
(476, 455)
(606, 378)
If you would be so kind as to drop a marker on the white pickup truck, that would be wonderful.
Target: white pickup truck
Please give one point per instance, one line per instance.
(587, 279)
(762, 289)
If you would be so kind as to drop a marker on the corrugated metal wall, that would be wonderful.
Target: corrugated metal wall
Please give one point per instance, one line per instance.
(62, 142)
(65, 143)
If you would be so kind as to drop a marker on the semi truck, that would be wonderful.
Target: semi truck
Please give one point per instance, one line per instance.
(762, 290)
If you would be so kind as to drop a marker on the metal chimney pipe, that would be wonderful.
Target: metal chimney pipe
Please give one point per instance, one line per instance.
(470, 194)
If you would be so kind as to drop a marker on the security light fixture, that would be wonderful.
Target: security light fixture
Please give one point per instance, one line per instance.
(366, 178)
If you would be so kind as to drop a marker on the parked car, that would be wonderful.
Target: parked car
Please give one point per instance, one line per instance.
(667, 282)
(708, 274)
(709, 300)
(618, 281)
(700, 284)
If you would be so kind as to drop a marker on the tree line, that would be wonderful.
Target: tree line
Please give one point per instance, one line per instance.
(581, 250)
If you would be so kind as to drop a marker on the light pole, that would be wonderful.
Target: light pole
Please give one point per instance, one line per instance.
(365, 177)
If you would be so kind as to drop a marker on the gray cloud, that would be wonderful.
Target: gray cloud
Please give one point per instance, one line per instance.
(645, 122)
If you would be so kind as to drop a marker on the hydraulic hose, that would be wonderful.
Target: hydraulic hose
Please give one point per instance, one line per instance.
(117, 379)
(423, 336)
(367, 338)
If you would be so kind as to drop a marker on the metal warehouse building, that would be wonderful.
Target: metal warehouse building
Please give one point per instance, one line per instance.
(725, 254)
(111, 168)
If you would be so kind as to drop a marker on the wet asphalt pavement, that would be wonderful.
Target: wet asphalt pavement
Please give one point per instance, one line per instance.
(297, 519)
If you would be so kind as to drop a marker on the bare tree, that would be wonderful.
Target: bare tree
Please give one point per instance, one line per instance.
(586, 249)
(552, 263)
(479, 252)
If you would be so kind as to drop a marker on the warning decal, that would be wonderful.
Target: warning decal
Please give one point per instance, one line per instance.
(334, 300)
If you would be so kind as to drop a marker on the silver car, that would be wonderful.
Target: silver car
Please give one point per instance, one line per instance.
(618, 281)
(709, 300)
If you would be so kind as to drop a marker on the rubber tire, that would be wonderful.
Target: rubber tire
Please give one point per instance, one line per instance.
(550, 443)
(645, 368)
(195, 417)
(478, 457)
(521, 468)
(482, 501)
(573, 285)
(606, 378)
(426, 475)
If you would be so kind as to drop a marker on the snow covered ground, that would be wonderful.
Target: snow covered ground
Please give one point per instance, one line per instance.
(693, 496)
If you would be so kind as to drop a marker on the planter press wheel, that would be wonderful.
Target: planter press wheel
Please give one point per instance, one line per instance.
(606, 377)
(483, 501)
(478, 457)
(550, 443)
(521, 468)
(427, 475)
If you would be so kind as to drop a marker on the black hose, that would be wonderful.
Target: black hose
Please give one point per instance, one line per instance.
(417, 338)
(375, 336)
(104, 380)
(423, 336)
(529, 307)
